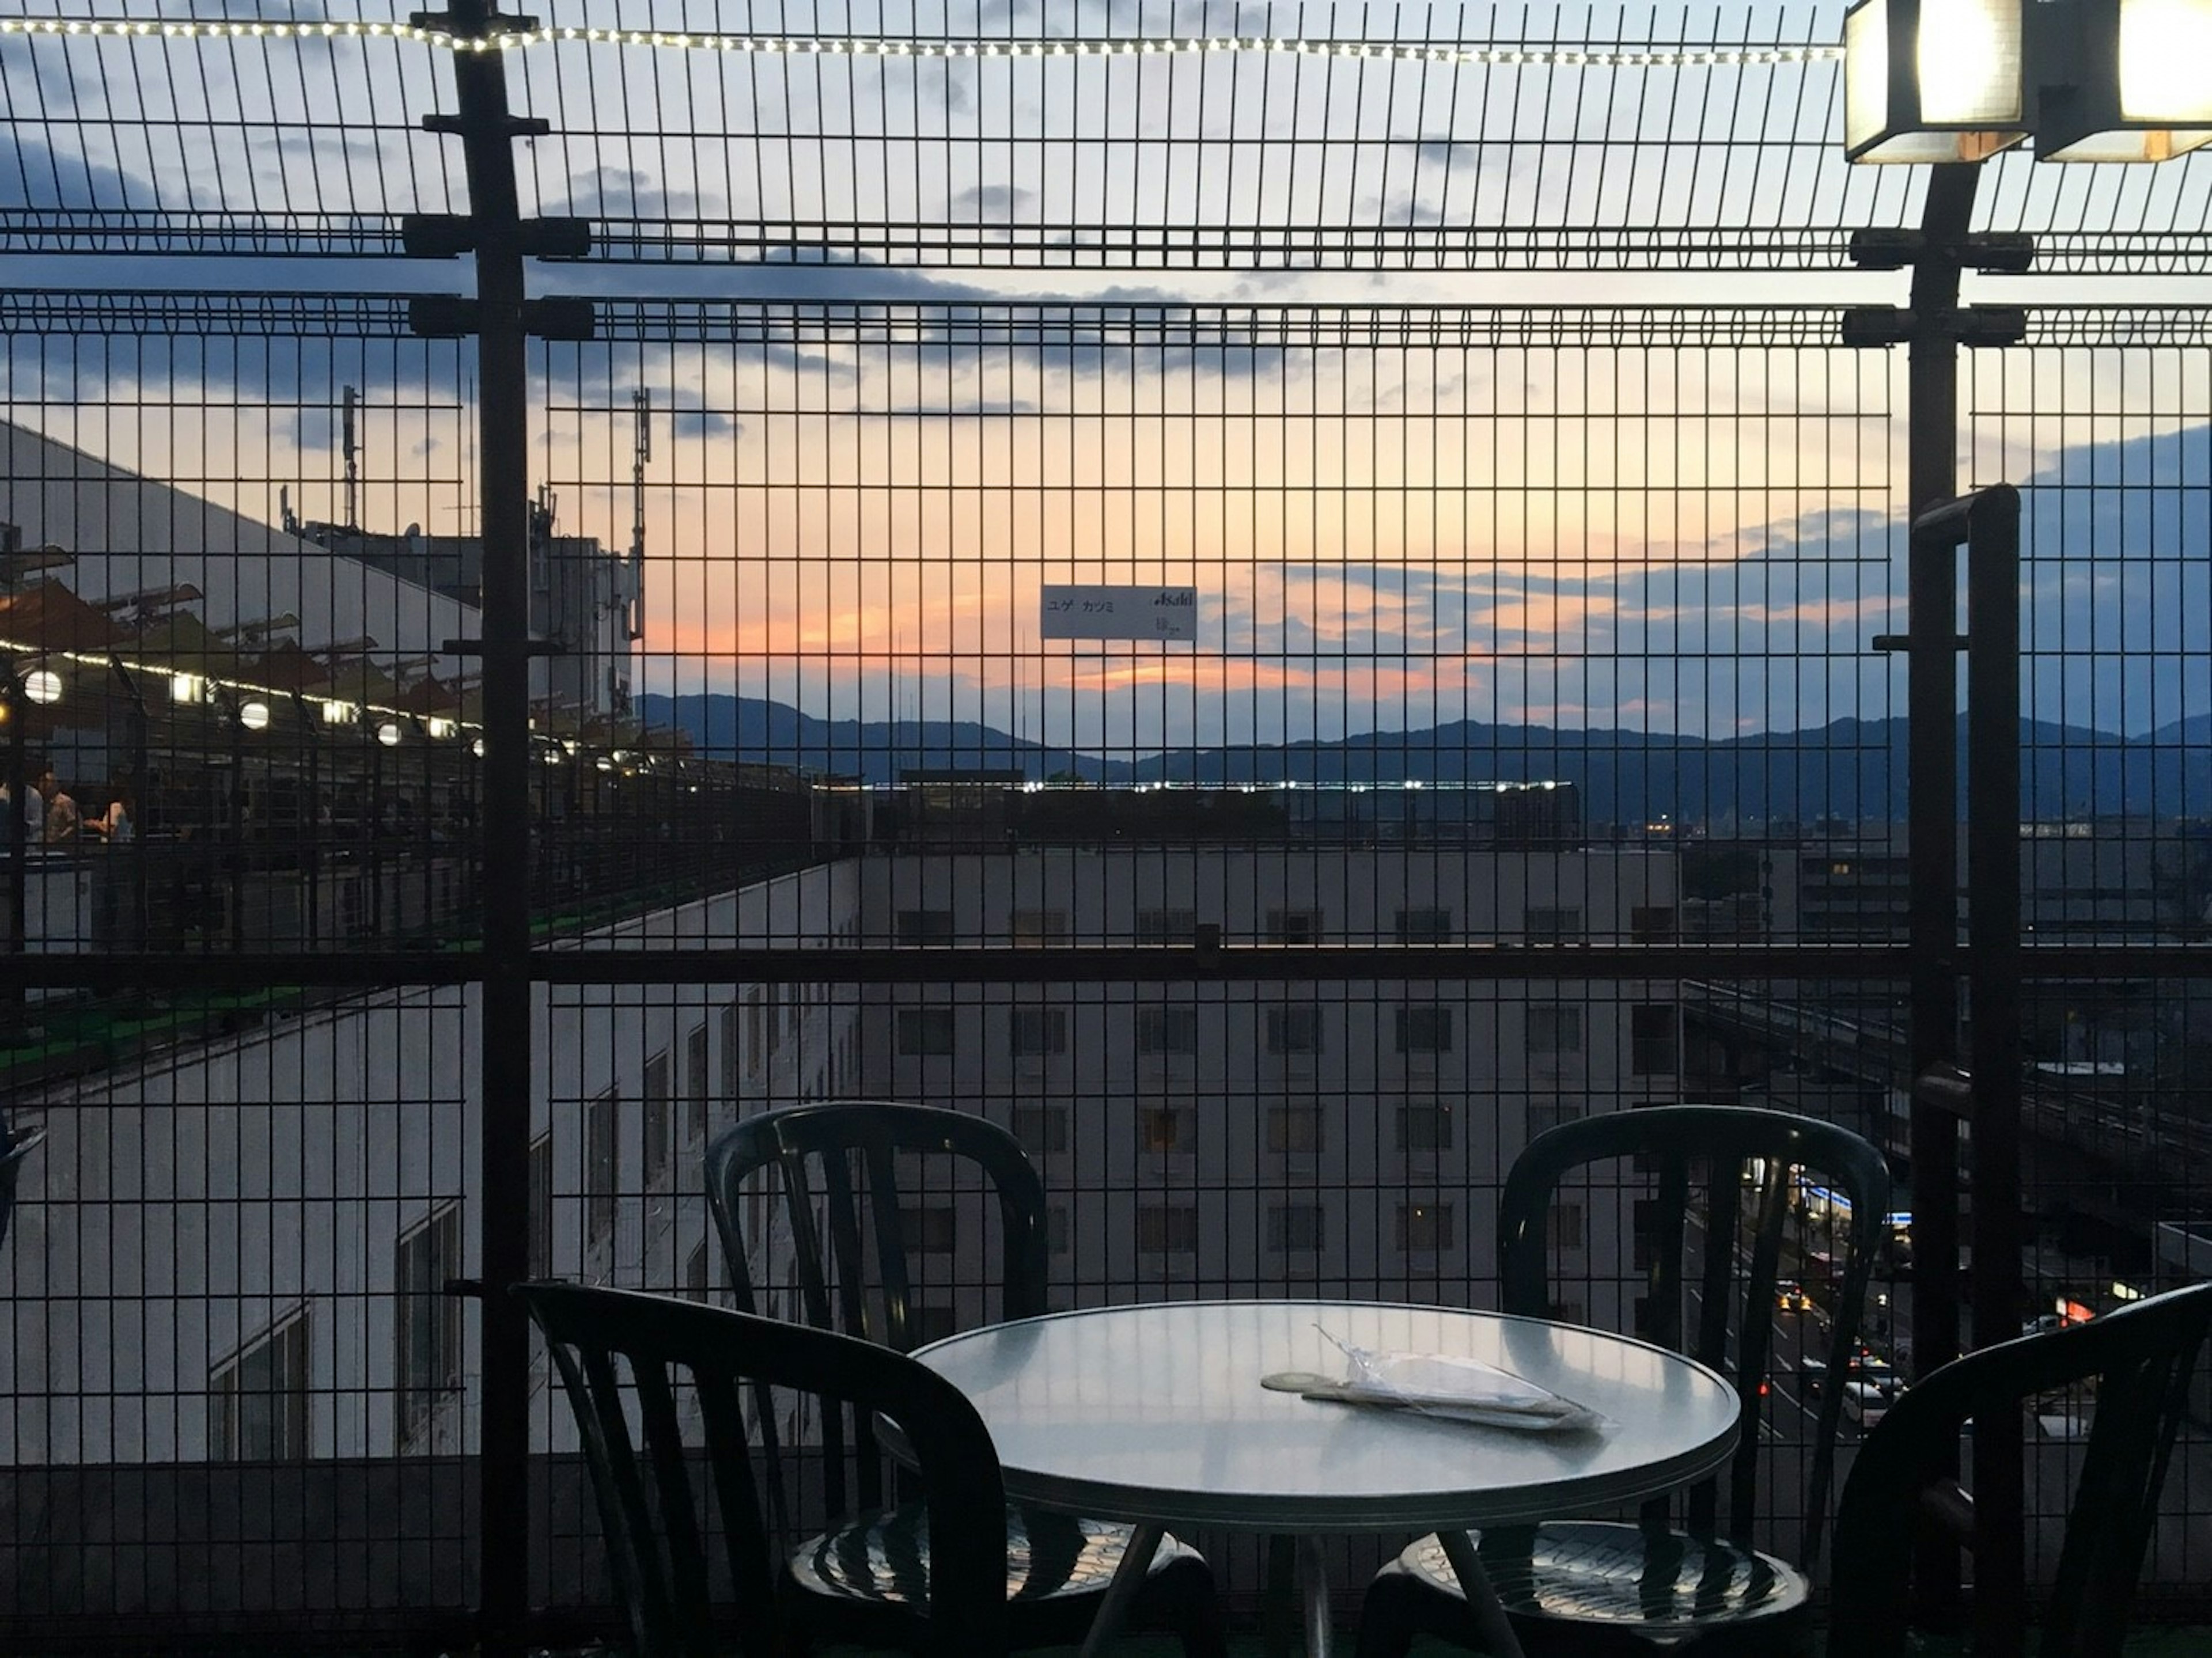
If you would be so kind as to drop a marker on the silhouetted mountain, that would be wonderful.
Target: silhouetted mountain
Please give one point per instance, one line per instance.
(1847, 769)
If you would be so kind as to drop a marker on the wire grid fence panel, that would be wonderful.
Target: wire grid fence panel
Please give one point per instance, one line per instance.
(1301, 137)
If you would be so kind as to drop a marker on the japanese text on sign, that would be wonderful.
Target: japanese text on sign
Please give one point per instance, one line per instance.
(1119, 613)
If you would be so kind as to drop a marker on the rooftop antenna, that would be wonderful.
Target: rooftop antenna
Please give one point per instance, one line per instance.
(350, 400)
(643, 398)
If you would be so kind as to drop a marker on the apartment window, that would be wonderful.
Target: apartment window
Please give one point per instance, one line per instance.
(1424, 1127)
(1038, 926)
(1167, 1030)
(657, 1102)
(1293, 927)
(695, 1081)
(541, 1206)
(1294, 1129)
(1651, 924)
(257, 1400)
(1425, 926)
(694, 1272)
(1294, 1226)
(1563, 1226)
(1166, 1229)
(1294, 1031)
(755, 1032)
(925, 1032)
(1424, 1029)
(732, 1051)
(1166, 926)
(1546, 1115)
(1425, 1228)
(1035, 1032)
(1651, 1039)
(428, 1367)
(928, 1228)
(925, 1323)
(1552, 926)
(1554, 1027)
(923, 926)
(1163, 1130)
(603, 1170)
(1041, 1129)
(1055, 1229)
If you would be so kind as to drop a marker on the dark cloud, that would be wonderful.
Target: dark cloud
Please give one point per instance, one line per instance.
(703, 424)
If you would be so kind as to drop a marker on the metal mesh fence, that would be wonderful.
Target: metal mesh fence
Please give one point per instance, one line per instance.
(1505, 731)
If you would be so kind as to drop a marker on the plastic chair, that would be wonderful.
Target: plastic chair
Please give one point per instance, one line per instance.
(2139, 1359)
(654, 1500)
(1599, 1586)
(20, 1147)
(834, 1168)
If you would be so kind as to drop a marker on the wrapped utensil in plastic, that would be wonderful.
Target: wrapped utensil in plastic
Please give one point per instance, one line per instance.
(1441, 1385)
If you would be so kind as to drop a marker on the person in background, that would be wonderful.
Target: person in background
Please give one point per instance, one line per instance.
(34, 815)
(64, 820)
(113, 825)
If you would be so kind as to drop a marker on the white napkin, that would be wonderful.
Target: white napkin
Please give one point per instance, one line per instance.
(1459, 1389)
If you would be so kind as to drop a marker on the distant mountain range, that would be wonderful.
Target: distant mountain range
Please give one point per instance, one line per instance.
(1847, 769)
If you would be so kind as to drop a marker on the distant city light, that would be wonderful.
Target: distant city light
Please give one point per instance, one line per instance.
(254, 715)
(388, 733)
(43, 685)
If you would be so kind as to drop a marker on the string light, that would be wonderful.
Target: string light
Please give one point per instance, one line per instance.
(1442, 53)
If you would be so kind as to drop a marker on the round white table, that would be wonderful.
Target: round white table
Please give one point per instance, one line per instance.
(1155, 1415)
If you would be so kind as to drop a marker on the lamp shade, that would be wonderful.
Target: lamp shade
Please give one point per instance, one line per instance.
(1932, 80)
(2121, 80)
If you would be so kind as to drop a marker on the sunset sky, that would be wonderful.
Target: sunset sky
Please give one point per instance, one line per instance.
(864, 468)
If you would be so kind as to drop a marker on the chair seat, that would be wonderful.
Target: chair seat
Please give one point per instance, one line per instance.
(884, 1561)
(1653, 1583)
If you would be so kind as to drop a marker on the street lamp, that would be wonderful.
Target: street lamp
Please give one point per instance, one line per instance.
(1936, 81)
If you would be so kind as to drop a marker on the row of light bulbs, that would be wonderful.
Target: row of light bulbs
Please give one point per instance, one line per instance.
(1568, 57)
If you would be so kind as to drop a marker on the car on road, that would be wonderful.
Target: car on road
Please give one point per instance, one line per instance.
(1790, 1297)
(1868, 1369)
(1865, 1404)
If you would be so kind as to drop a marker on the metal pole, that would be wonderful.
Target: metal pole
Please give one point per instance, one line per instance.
(486, 130)
(1993, 924)
(16, 707)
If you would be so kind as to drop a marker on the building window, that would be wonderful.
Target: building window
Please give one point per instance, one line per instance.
(925, 1033)
(1294, 1226)
(1563, 1226)
(1643, 1223)
(1425, 926)
(1038, 926)
(1167, 927)
(755, 1032)
(1163, 1130)
(925, 1323)
(694, 1272)
(603, 1166)
(1294, 1031)
(257, 1400)
(1041, 1129)
(1424, 1029)
(1037, 1031)
(1546, 1115)
(928, 1229)
(1552, 926)
(1167, 1030)
(923, 926)
(541, 1206)
(1554, 1027)
(695, 1081)
(1294, 1129)
(1651, 924)
(1424, 1127)
(1293, 927)
(428, 1366)
(658, 1104)
(1166, 1229)
(1651, 1039)
(733, 1052)
(1425, 1228)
